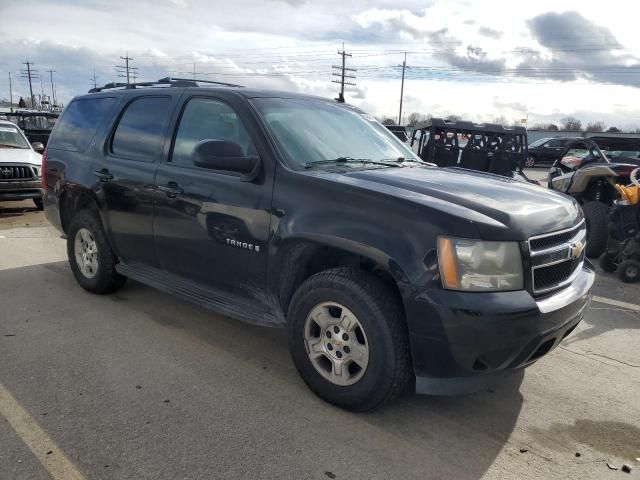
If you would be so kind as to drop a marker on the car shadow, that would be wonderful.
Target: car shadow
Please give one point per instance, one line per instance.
(462, 435)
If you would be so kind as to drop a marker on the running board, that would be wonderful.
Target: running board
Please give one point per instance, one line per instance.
(230, 305)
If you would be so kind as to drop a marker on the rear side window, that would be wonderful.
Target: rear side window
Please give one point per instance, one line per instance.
(79, 122)
(140, 132)
(557, 143)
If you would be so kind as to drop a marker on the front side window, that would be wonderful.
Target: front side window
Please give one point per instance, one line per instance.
(140, 132)
(208, 119)
(10, 137)
(310, 130)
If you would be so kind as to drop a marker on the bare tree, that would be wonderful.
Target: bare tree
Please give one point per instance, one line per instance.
(571, 124)
(596, 127)
(453, 118)
(501, 120)
(416, 117)
(613, 129)
(387, 121)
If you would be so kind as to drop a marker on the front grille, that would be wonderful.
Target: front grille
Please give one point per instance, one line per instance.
(556, 257)
(553, 239)
(552, 275)
(16, 172)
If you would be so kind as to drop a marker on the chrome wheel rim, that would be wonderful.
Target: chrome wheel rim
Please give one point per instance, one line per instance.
(336, 343)
(86, 252)
(529, 162)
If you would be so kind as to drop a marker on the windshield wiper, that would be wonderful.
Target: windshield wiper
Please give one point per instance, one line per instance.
(9, 146)
(348, 160)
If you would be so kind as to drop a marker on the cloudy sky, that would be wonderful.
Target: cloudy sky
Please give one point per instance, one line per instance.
(477, 59)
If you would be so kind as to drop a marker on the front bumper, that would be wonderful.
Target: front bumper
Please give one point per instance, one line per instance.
(21, 189)
(463, 342)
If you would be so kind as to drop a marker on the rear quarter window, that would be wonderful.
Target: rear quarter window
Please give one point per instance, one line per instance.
(79, 123)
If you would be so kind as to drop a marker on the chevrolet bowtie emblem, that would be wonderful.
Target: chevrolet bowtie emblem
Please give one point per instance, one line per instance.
(576, 249)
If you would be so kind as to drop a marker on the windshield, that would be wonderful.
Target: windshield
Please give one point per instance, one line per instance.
(10, 137)
(310, 130)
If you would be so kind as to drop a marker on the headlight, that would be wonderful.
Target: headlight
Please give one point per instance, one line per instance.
(39, 171)
(479, 266)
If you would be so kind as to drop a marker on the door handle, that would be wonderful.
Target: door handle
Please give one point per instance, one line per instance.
(171, 189)
(103, 175)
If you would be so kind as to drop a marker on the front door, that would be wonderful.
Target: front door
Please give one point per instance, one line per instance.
(125, 172)
(212, 227)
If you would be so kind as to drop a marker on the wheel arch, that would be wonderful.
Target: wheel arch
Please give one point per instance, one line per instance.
(73, 200)
(299, 258)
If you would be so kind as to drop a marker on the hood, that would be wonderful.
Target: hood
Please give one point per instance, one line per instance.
(20, 155)
(500, 208)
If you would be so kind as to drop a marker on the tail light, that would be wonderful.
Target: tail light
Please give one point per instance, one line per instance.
(43, 170)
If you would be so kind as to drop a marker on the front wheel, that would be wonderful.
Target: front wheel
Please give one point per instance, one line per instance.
(596, 217)
(348, 339)
(629, 271)
(90, 256)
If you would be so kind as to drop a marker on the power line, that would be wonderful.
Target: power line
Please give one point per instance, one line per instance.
(343, 69)
(124, 71)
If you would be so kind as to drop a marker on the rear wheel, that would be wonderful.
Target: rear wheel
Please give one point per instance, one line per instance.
(90, 256)
(530, 162)
(38, 203)
(607, 263)
(348, 339)
(595, 214)
(629, 271)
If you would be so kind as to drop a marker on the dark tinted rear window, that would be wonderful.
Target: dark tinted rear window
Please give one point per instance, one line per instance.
(140, 132)
(78, 124)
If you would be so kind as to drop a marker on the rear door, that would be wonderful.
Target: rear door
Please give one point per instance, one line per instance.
(124, 174)
(552, 150)
(212, 227)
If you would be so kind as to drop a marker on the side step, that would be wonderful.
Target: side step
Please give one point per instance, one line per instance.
(230, 305)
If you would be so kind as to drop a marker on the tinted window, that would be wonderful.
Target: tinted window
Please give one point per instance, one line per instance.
(141, 129)
(206, 118)
(557, 143)
(78, 124)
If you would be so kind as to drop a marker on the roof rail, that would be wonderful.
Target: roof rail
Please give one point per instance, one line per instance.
(163, 82)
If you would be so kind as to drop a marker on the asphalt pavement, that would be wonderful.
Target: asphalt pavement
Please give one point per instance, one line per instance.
(140, 385)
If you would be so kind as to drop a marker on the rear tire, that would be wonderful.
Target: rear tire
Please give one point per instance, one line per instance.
(530, 162)
(347, 296)
(38, 203)
(595, 214)
(90, 256)
(607, 263)
(629, 271)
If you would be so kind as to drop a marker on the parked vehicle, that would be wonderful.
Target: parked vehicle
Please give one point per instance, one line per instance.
(545, 151)
(20, 165)
(482, 147)
(36, 125)
(585, 173)
(300, 212)
(399, 131)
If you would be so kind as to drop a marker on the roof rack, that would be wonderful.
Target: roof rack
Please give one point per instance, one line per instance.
(163, 82)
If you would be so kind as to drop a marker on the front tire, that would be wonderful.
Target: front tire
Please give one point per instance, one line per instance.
(90, 256)
(629, 271)
(596, 216)
(348, 339)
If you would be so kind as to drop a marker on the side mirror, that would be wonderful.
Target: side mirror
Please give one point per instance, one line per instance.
(38, 147)
(225, 156)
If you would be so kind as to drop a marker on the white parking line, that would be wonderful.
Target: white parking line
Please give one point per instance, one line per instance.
(42, 446)
(616, 303)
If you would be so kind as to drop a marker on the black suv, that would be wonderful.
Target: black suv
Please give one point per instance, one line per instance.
(300, 212)
(545, 151)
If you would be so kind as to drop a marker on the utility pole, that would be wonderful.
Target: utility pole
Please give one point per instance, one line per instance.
(93, 79)
(53, 89)
(10, 94)
(343, 69)
(30, 74)
(124, 71)
(404, 64)
(194, 70)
